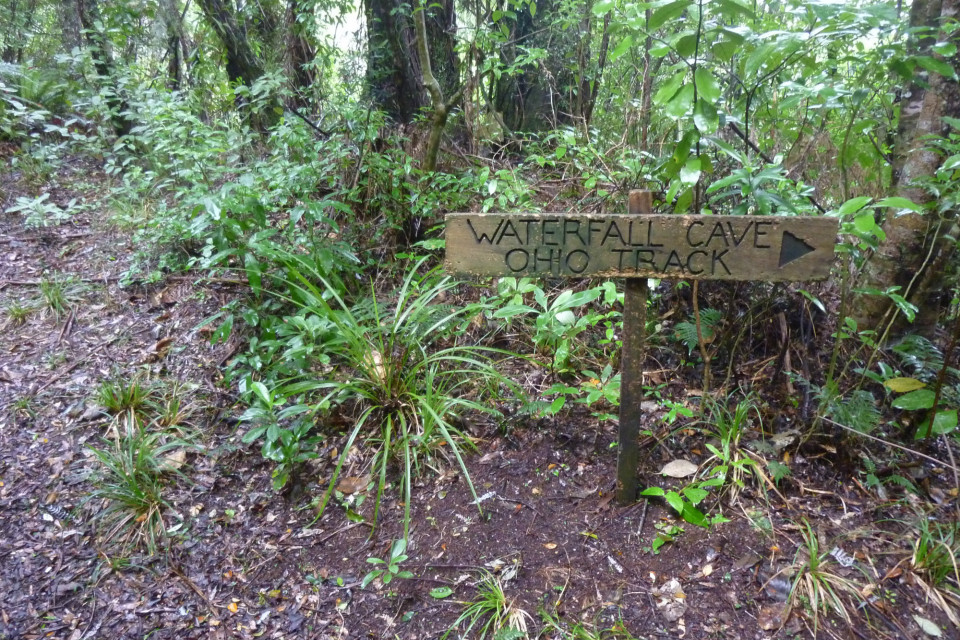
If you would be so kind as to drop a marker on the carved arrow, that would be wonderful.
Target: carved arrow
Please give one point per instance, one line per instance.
(793, 248)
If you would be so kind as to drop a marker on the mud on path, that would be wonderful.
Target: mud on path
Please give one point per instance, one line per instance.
(244, 562)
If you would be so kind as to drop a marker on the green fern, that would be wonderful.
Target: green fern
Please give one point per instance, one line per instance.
(858, 411)
(904, 482)
(919, 354)
(686, 332)
(778, 470)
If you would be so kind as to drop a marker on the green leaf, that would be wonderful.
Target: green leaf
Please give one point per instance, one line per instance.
(951, 163)
(441, 592)
(919, 399)
(705, 118)
(853, 205)
(734, 9)
(897, 202)
(690, 173)
(621, 48)
(674, 500)
(946, 49)
(687, 46)
(557, 404)
(707, 86)
(602, 6)
(936, 66)
(681, 103)
(253, 272)
(944, 422)
(724, 50)
(260, 390)
(667, 12)
(253, 434)
(653, 491)
(903, 385)
(694, 516)
(864, 222)
(370, 577)
(695, 495)
(669, 89)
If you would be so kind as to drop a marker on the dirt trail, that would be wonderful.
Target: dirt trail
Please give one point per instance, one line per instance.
(244, 562)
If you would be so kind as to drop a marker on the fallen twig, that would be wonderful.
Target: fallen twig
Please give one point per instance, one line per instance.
(893, 444)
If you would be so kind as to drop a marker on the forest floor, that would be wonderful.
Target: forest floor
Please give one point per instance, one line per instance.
(242, 561)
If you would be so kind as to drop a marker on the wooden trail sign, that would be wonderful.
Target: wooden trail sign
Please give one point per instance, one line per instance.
(638, 246)
(652, 246)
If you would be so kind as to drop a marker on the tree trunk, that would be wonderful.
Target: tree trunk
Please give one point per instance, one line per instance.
(394, 74)
(916, 252)
(300, 53)
(173, 22)
(89, 12)
(532, 98)
(594, 84)
(441, 107)
(19, 22)
(243, 66)
(69, 21)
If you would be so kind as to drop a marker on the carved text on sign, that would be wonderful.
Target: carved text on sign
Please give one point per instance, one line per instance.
(667, 246)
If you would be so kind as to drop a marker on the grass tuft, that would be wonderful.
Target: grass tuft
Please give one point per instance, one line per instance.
(491, 614)
(131, 484)
(934, 564)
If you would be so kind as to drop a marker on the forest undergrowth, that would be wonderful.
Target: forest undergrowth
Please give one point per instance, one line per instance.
(243, 398)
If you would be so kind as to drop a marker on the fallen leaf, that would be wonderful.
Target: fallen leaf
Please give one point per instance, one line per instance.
(707, 570)
(353, 484)
(929, 627)
(173, 461)
(903, 385)
(772, 616)
(746, 561)
(162, 347)
(232, 607)
(550, 545)
(679, 469)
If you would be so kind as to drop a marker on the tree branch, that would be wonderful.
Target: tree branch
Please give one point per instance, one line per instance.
(750, 143)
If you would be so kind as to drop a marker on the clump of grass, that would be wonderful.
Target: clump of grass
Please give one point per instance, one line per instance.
(59, 294)
(171, 408)
(579, 631)
(815, 583)
(120, 395)
(730, 463)
(25, 406)
(399, 364)
(131, 484)
(18, 312)
(491, 614)
(934, 564)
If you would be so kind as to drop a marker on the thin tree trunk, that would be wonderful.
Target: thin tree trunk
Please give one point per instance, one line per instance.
(601, 65)
(173, 22)
(916, 251)
(394, 64)
(89, 12)
(243, 66)
(300, 53)
(441, 109)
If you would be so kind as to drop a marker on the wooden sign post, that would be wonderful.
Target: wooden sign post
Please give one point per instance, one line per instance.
(638, 246)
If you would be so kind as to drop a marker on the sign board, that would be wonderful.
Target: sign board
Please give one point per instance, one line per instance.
(770, 248)
(638, 246)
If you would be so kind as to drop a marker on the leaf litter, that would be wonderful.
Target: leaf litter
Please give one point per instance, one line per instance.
(248, 563)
